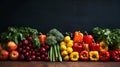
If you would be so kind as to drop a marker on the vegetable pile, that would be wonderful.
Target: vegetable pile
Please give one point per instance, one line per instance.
(18, 34)
(28, 44)
(53, 39)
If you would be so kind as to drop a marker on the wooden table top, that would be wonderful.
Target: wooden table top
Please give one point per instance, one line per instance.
(57, 64)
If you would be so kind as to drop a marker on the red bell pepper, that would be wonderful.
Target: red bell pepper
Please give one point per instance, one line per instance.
(116, 55)
(84, 55)
(87, 38)
(94, 46)
(77, 47)
(104, 56)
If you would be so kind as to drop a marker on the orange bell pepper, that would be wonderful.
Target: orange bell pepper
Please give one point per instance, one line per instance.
(78, 36)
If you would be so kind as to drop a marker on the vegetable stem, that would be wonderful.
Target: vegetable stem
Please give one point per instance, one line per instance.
(51, 52)
(59, 55)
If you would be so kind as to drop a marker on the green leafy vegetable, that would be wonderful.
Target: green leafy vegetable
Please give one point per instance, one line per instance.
(18, 34)
(110, 36)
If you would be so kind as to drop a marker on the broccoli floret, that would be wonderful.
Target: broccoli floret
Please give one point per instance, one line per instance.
(59, 37)
(51, 40)
(54, 32)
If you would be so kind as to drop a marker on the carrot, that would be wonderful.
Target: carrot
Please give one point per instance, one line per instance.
(42, 38)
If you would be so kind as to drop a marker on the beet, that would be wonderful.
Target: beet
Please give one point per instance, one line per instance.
(25, 42)
(29, 59)
(23, 51)
(33, 57)
(42, 50)
(38, 58)
(46, 59)
(29, 38)
(20, 44)
(47, 47)
(37, 53)
(27, 48)
(21, 57)
(42, 56)
(46, 54)
(27, 54)
(19, 49)
(32, 52)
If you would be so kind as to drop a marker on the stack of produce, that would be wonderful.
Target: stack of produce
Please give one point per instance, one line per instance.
(108, 38)
(28, 52)
(26, 44)
(23, 43)
(10, 52)
(66, 48)
(53, 38)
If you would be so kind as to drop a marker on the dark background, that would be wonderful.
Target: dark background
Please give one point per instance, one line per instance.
(65, 15)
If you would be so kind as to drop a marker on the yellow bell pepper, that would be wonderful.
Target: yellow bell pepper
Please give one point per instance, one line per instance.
(74, 56)
(94, 55)
(66, 58)
(103, 46)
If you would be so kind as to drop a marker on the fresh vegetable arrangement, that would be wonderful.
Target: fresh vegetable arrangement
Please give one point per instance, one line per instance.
(27, 44)
(53, 39)
(66, 48)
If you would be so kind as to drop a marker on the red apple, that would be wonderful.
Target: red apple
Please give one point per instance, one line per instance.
(14, 55)
(4, 55)
(11, 46)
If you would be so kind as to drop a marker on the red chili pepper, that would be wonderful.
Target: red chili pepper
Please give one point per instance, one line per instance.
(77, 47)
(116, 55)
(104, 56)
(84, 55)
(94, 46)
(42, 38)
(78, 36)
